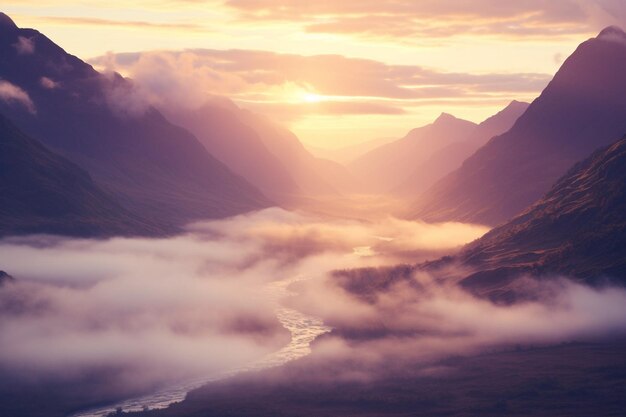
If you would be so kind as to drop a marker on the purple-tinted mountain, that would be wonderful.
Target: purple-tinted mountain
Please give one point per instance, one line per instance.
(314, 176)
(45, 193)
(154, 167)
(263, 152)
(238, 145)
(578, 229)
(386, 167)
(451, 157)
(582, 109)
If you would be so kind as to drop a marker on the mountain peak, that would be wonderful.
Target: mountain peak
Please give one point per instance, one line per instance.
(445, 117)
(6, 23)
(612, 33)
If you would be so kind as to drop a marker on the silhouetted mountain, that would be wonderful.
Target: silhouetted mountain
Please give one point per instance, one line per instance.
(100, 122)
(389, 165)
(314, 176)
(236, 144)
(578, 229)
(45, 193)
(582, 109)
(265, 153)
(449, 158)
(347, 154)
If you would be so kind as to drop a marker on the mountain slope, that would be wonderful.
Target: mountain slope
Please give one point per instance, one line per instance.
(577, 229)
(346, 154)
(449, 158)
(263, 152)
(45, 193)
(314, 176)
(236, 144)
(582, 109)
(387, 166)
(98, 121)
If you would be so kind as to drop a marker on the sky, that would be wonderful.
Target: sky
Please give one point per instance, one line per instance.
(336, 72)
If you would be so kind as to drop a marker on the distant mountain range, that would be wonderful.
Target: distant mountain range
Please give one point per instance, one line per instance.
(45, 193)
(582, 109)
(389, 165)
(450, 157)
(266, 154)
(409, 165)
(150, 165)
(347, 154)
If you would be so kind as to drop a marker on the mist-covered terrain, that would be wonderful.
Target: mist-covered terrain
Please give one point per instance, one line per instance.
(131, 314)
(404, 230)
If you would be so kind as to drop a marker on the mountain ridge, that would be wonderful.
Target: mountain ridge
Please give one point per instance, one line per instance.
(582, 108)
(450, 157)
(45, 193)
(414, 148)
(578, 229)
(152, 166)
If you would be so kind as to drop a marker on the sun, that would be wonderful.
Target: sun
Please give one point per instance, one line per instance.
(312, 98)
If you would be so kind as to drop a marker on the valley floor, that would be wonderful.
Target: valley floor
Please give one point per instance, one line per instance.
(576, 379)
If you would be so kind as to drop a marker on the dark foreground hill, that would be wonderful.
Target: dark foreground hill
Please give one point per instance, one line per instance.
(577, 229)
(100, 122)
(45, 193)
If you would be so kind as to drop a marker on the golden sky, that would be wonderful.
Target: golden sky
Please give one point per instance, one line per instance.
(337, 72)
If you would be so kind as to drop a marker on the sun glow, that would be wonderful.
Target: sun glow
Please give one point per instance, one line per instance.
(312, 98)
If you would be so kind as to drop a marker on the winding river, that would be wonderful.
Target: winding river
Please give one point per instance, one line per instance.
(303, 328)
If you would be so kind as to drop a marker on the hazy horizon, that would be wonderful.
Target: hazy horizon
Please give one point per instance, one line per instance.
(414, 59)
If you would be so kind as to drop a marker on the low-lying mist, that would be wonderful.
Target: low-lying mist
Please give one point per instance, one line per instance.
(158, 310)
(145, 312)
(421, 320)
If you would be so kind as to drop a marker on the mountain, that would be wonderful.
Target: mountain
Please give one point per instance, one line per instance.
(577, 229)
(45, 193)
(387, 166)
(449, 158)
(583, 108)
(101, 123)
(263, 152)
(314, 176)
(236, 144)
(346, 154)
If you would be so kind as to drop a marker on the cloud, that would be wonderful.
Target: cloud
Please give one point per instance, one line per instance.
(410, 20)
(281, 85)
(24, 46)
(48, 83)
(613, 34)
(11, 93)
(192, 305)
(418, 320)
(204, 302)
(132, 24)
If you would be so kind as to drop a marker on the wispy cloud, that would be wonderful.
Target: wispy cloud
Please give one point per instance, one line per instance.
(163, 309)
(402, 19)
(24, 46)
(11, 93)
(288, 86)
(137, 24)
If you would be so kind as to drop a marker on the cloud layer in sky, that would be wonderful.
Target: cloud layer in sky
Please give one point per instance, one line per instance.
(380, 55)
(403, 19)
(293, 88)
